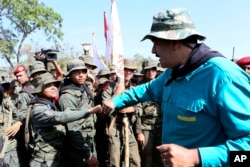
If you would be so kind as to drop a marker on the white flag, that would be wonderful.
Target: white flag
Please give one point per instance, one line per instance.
(96, 57)
(114, 46)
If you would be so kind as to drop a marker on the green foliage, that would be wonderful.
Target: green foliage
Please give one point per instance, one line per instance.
(26, 17)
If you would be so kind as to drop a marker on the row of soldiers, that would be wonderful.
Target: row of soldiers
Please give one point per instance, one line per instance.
(56, 117)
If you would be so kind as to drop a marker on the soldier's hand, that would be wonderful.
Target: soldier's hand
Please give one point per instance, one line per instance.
(141, 139)
(12, 131)
(108, 106)
(92, 161)
(96, 109)
(40, 56)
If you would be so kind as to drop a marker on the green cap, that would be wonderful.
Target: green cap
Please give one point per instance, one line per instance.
(38, 66)
(129, 64)
(13, 83)
(88, 60)
(102, 80)
(41, 81)
(75, 64)
(148, 64)
(103, 72)
(173, 24)
(113, 69)
(138, 72)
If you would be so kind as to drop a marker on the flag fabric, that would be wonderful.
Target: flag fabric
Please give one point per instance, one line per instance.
(96, 57)
(106, 27)
(114, 45)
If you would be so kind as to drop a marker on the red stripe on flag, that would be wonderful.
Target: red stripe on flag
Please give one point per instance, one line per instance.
(106, 27)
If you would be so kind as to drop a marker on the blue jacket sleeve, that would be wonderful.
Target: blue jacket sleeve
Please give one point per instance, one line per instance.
(150, 91)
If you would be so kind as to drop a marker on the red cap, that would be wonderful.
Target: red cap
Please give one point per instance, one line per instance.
(19, 68)
(243, 61)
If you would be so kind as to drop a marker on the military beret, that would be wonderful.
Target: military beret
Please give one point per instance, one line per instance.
(243, 61)
(19, 68)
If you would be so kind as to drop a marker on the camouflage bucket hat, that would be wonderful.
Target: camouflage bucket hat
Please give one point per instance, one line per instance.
(41, 81)
(103, 72)
(88, 60)
(75, 64)
(174, 24)
(129, 64)
(38, 66)
(113, 69)
(149, 64)
(102, 80)
(138, 72)
(13, 83)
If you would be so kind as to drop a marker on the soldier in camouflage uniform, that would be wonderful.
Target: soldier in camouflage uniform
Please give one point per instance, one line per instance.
(138, 75)
(89, 63)
(150, 123)
(37, 69)
(116, 128)
(9, 107)
(48, 135)
(24, 98)
(75, 94)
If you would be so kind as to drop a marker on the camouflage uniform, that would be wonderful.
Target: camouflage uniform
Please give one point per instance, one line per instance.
(101, 137)
(46, 125)
(80, 133)
(150, 123)
(10, 155)
(116, 136)
(89, 63)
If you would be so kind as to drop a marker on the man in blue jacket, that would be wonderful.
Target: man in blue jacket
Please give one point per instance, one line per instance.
(205, 97)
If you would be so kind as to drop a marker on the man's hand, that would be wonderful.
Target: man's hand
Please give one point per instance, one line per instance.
(40, 56)
(96, 109)
(141, 139)
(108, 106)
(12, 131)
(175, 155)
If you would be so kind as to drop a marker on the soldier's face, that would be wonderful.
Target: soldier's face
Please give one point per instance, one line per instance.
(78, 76)
(22, 77)
(50, 91)
(150, 73)
(128, 74)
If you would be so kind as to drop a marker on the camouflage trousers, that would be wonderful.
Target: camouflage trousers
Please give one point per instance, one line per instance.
(53, 159)
(117, 144)
(11, 158)
(10, 155)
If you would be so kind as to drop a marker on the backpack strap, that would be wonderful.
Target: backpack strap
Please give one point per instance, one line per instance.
(27, 126)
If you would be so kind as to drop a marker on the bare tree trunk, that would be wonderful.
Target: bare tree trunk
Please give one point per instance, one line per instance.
(8, 60)
(19, 48)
